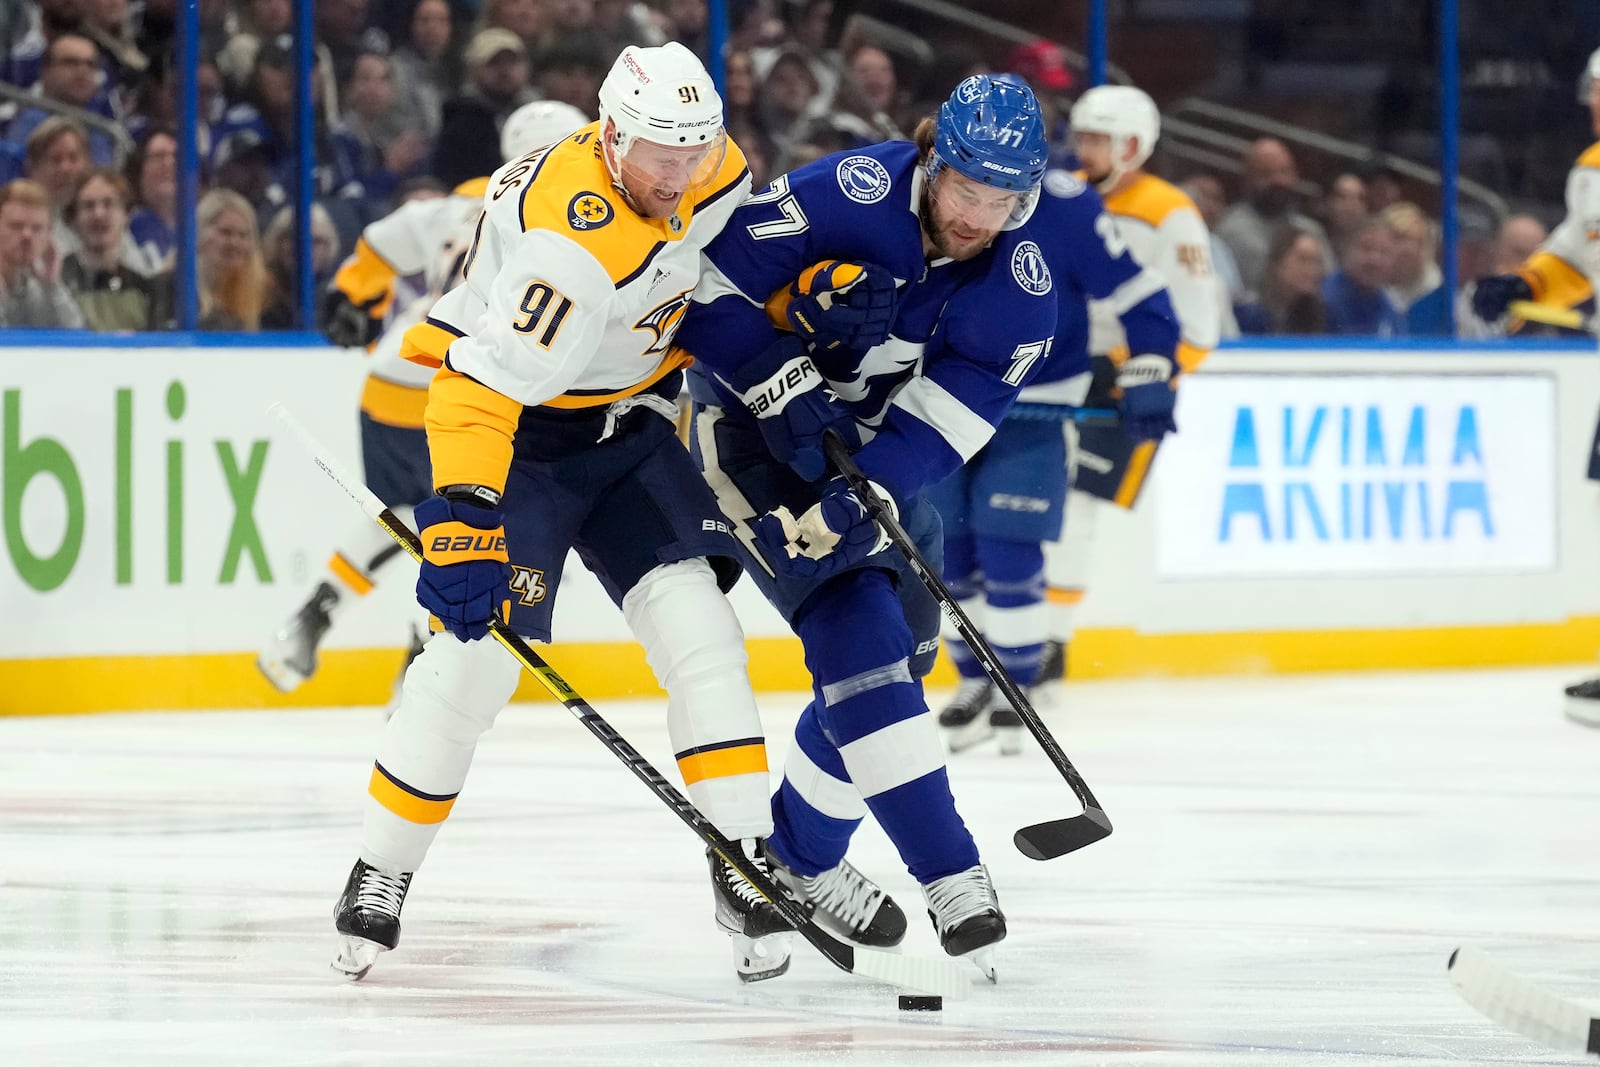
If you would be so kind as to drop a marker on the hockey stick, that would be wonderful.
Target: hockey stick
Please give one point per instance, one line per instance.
(1569, 318)
(1516, 1005)
(1060, 413)
(940, 977)
(1041, 841)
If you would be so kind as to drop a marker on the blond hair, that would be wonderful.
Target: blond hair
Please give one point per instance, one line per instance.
(243, 293)
(24, 191)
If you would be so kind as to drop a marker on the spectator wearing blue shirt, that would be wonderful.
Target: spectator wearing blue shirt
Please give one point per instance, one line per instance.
(1356, 302)
(68, 74)
(153, 176)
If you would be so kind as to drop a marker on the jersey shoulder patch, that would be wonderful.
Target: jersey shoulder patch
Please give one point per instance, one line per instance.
(1149, 199)
(1029, 268)
(1063, 184)
(863, 179)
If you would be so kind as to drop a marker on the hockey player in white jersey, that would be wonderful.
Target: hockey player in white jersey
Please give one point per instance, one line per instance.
(1114, 129)
(1563, 273)
(431, 238)
(550, 428)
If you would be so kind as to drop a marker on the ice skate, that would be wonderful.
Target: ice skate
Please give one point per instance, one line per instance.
(418, 640)
(846, 902)
(965, 719)
(291, 656)
(1006, 723)
(966, 915)
(368, 918)
(1583, 702)
(761, 935)
(1046, 688)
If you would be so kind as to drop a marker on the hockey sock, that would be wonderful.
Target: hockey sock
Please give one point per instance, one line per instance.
(1015, 616)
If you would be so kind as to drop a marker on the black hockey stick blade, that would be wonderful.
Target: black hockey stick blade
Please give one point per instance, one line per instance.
(1047, 840)
(1042, 841)
(1522, 1007)
(940, 977)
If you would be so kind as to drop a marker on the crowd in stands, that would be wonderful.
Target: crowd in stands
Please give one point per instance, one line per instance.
(407, 98)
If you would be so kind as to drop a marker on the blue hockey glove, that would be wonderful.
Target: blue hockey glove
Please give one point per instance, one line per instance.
(466, 574)
(793, 406)
(1147, 397)
(836, 303)
(1495, 293)
(836, 532)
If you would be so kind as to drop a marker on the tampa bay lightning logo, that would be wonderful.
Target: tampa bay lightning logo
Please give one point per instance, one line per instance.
(970, 90)
(588, 211)
(1029, 269)
(863, 179)
(1061, 183)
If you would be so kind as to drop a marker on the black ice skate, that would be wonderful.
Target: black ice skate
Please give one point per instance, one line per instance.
(1006, 724)
(368, 918)
(965, 719)
(1583, 702)
(1053, 667)
(966, 915)
(760, 934)
(290, 657)
(846, 902)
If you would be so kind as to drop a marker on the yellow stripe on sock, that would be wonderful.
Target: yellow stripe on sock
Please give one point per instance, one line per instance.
(1057, 595)
(346, 572)
(723, 763)
(410, 806)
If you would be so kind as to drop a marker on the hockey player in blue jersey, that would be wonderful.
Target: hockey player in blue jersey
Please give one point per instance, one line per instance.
(867, 292)
(1000, 508)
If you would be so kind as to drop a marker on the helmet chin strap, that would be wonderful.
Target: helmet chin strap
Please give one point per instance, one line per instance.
(611, 152)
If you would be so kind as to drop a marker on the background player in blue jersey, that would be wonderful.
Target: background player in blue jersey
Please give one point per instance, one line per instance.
(1000, 508)
(865, 291)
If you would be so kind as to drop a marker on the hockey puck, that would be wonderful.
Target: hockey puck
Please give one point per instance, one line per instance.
(911, 1002)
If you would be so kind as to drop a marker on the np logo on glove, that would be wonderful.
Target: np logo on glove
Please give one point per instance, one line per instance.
(835, 533)
(835, 303)
(1148, 399)
(466, 572)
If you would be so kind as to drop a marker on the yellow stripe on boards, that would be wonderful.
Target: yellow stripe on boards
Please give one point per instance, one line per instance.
(609, 670)
(723, 763)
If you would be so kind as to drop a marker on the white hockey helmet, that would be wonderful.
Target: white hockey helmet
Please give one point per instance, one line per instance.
(1591, 74)
(663, 96)
(1123, 113)
(536, 125)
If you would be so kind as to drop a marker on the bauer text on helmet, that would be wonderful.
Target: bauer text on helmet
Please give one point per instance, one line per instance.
(535, 125)
(661, 120)
(1114, 129)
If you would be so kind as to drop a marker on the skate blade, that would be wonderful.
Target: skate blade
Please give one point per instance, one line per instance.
(1010, 738)
(757, 959)
(975, 733)
(1582, 711)
(983, 959)
(284, 678)
(355, 957)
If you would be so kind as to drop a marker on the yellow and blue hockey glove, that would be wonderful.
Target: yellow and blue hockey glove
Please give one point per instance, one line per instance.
(466, 573)
(836, 303)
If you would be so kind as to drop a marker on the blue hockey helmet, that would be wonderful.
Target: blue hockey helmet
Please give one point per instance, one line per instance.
(991, 130)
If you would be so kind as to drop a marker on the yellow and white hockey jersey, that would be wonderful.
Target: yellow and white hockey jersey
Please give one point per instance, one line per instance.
(427, 237)
(1166, 234)
(1566, 271)
(570, 299)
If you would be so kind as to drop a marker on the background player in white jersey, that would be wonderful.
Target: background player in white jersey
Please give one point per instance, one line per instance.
(428, 237)
(1563, 273)
(1114, 129)
(550, 428)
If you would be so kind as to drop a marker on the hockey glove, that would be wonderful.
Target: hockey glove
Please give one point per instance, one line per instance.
(793, 406)
(466, 574)
(1147, 397)
(348, 324)
(836, 303)
(1495, 293)
(835, 533)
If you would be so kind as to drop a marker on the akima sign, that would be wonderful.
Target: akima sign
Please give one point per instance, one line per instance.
(1333, 475)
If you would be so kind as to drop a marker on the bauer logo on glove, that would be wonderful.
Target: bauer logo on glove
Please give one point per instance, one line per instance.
(836, 303)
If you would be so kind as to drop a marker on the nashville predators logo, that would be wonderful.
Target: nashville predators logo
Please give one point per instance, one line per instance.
(662, 322)
(588, 211)
(528, 584)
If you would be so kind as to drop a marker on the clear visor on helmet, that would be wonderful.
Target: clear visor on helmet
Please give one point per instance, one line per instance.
(974, 204)
(648, 167)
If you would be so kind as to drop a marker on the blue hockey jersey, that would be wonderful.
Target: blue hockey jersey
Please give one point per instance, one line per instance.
(965, 337)
(1089, 261)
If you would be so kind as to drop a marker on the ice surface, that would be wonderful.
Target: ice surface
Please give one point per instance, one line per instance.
(1294, 859)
